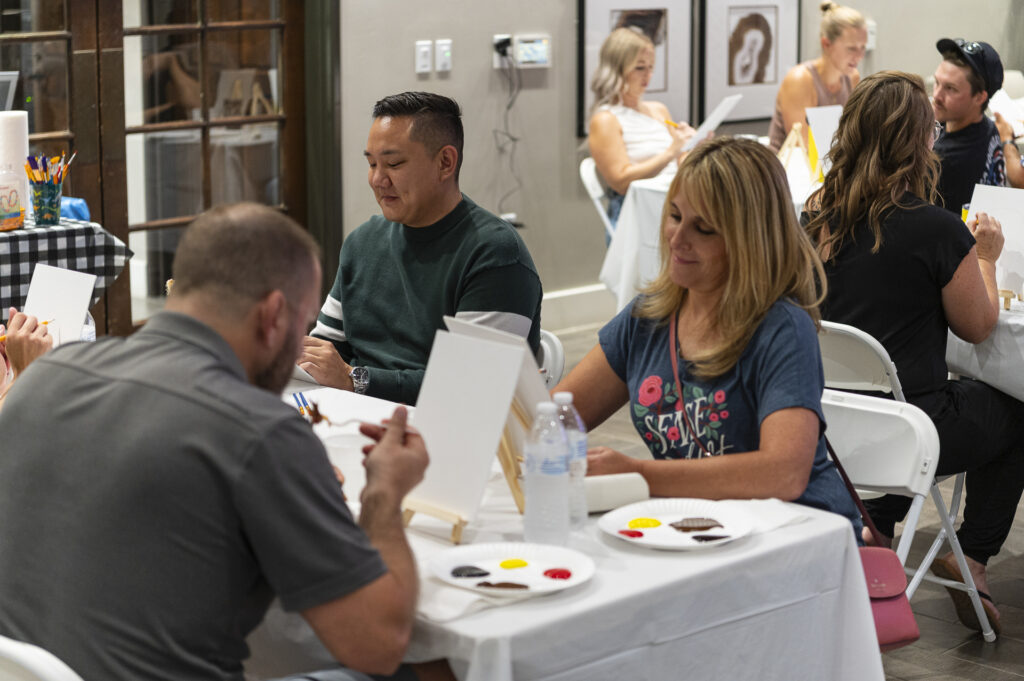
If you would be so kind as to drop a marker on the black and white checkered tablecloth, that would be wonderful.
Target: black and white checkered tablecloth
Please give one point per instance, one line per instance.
(73, 245)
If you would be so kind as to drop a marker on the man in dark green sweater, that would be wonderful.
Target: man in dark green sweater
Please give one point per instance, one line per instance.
(432, 252)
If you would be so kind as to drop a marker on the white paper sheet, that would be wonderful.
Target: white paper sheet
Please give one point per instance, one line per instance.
(61, 296)
(1008, 109)
(1006, 205)
(300, 374)
(714, 120)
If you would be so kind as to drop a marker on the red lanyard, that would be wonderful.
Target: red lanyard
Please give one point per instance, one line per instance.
(674, 354)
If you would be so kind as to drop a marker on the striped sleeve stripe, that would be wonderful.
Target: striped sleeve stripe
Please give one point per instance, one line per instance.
(503, 321)
(330, 322)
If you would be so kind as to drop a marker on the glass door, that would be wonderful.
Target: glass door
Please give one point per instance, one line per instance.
(204, 109)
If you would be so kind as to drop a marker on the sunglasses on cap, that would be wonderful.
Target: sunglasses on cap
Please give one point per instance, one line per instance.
(972, 47)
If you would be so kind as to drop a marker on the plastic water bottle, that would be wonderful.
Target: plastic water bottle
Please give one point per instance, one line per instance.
(576, 435)
(546, 479)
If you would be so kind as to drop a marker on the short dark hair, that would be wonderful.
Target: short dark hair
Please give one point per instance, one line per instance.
(436, 120)
(973, 77)
(243, 251)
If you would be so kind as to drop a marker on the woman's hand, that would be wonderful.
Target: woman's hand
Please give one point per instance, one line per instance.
(27, 339)
(606, 461)
(681, 134)
(988, 234)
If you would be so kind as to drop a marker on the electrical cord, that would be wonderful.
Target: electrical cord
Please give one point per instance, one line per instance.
(504, 140)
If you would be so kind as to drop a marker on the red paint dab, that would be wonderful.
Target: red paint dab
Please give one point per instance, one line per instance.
(631, 533)
(557, 573)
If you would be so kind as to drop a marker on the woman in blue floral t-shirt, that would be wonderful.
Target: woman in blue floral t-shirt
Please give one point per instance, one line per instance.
(719, 355)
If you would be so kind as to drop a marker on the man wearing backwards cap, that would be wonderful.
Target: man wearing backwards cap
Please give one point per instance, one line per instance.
(968, 143)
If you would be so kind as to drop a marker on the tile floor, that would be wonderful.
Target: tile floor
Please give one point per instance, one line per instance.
(947, 650)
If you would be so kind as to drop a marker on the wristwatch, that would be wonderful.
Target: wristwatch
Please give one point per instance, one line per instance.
(360, 379)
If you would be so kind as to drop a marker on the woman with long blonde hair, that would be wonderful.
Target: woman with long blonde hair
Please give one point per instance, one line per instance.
(719, 358)
(824, 81)
(630, 138)
(908, 272)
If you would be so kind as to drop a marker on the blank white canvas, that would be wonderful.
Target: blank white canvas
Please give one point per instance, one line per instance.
(824, 121)
(62, 296)
(1006, 205)
(461, 411)
(530, 386)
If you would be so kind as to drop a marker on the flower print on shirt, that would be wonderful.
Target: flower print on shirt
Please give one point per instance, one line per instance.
(657, 416)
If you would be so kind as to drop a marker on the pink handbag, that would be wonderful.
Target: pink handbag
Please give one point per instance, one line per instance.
(895, 625)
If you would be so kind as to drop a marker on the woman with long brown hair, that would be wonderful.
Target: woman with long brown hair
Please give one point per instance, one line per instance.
(719, 356)
(908, 272)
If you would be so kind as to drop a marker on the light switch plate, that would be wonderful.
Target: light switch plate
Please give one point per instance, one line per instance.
(443, 55)
(424, 58)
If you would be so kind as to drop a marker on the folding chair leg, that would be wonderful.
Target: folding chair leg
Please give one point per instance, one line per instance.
(958, 488)
(909, 527)
(961, 561)
(921, 571)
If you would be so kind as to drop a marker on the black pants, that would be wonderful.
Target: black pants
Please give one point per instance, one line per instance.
(981, 431)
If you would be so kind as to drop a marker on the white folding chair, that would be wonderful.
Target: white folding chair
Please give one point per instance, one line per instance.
(588, 174)
(855, 360)
(551, 358)
(25, 662)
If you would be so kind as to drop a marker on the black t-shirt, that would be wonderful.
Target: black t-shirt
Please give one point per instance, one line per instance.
(970, 156)
(896, 294)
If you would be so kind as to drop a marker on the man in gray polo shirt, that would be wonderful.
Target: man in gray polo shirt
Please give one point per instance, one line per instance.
(156, 493)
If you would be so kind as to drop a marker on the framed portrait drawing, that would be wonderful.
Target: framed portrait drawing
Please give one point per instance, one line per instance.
(747, 48)
(666, 22)
(8, 83)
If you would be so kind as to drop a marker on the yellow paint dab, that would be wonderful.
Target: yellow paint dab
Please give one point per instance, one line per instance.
(513, 563)
(637, 523)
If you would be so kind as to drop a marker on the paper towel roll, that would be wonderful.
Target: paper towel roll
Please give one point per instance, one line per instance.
(605, 492)
(14, 149)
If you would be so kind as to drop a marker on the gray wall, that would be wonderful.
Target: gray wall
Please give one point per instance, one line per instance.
(908, 30)
(562, 230)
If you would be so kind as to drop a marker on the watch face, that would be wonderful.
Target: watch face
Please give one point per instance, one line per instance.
(360, 379)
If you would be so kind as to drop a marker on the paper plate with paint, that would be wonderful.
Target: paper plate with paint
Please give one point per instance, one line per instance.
(512, 569)
(677, 524)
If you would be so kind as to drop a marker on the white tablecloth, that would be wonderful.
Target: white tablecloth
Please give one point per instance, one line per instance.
(632, 259)
(999, 360)
(789, 603)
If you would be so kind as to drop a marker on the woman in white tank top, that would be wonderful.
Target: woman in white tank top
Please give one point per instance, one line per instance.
(630, 138)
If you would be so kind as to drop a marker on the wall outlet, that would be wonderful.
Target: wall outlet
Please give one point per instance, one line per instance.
(500, 41)
(512, 219)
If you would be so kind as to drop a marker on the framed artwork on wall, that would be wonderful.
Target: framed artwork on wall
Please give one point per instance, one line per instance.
(747, 46)
(666, 22)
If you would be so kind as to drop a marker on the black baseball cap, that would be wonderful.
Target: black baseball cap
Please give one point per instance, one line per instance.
(982, 58)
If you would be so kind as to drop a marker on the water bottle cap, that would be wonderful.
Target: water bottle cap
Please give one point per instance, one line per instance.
(547, 408)
(563, 398)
